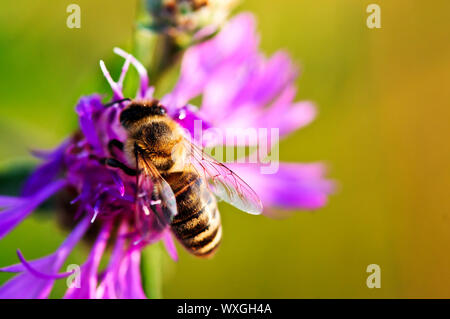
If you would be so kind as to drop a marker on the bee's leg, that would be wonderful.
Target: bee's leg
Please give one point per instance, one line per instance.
(115, 144)
(111, 162)
(117, 102)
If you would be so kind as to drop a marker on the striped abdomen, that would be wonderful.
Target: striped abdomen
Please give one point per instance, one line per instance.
(197, 225)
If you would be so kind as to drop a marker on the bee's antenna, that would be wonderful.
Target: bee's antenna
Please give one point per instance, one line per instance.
(116, 102)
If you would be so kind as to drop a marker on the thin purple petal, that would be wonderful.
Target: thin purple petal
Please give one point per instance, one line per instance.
(8, 201)
(12, 216)
(28, 267)
(142, 71)
(46, 172)
(28, 286)
(122, 279)
(130, 283)
(170, 245)
(89, 277)
(88, 109)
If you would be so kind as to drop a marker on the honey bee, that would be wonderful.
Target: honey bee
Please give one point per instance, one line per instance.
(184, 181)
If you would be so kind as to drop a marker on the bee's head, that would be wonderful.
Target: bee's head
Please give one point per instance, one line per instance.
(139, 110)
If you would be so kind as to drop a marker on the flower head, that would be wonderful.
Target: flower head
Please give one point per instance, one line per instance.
(188, 17)
(241, 89)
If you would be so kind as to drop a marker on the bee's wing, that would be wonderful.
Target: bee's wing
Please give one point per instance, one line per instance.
(153, 195)
(222, 181)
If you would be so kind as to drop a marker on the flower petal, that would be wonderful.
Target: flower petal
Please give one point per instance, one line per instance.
(107, 286)
(47, 171)
(236, 42)
(29, 267)
(122, 278)
(27, 285)
(14, 215)
(88, 278)
(142, 71)
(292, 186)
(129, 278)
(8, 201)
(170, 245)
(115, 87)
(241, 89)
(88, 109)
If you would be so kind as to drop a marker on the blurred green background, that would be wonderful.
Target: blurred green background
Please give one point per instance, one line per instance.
(383, 129)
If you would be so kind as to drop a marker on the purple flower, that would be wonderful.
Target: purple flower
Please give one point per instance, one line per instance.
(36, 278)
(241, 89)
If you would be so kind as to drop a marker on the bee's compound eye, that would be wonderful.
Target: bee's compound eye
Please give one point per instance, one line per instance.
(159, 110)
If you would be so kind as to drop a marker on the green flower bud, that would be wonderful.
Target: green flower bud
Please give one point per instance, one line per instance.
(183, 18)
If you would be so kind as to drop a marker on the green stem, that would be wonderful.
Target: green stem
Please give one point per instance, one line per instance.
(144, 44)
(151, 271)
(158, 52)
